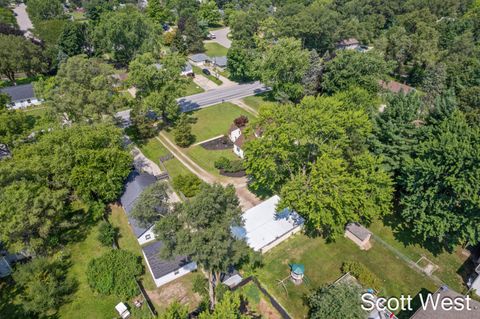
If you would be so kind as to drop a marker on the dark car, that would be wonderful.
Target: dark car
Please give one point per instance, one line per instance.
(206, 71)
(165, 27)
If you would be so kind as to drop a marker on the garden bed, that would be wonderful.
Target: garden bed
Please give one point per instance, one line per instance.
(221, 143)
(232, 174)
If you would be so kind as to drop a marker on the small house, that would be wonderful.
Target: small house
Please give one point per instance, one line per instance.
(164, 271)
(220, 62)
(136, 183)
(21, 96)
(359, 235)
(187, 70)
(199, 59)
(235, 134)
(395, 87)
(265, 228)
(348, 44)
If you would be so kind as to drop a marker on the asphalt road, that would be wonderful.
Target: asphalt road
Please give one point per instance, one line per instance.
(23, 20)
(209, 98)
(221, 37)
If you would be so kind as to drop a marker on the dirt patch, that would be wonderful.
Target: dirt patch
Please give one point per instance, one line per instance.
(167, 294)
(221, 143)
(266, 310)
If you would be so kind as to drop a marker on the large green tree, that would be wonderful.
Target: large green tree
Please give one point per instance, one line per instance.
(152, 204)
(84, 89)
(202, 229)
(39, 10)
(209, 13)
(17, 54)
(440, 184)
(282, 68)
(121, 34)
(44, 286)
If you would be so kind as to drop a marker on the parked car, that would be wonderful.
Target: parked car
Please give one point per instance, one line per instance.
(206, 71)
(165, 27)
(211, 36)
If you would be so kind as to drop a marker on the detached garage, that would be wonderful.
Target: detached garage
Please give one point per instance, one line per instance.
(265, 228)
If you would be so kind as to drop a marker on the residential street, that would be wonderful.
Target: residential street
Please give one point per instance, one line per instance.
(221, 37)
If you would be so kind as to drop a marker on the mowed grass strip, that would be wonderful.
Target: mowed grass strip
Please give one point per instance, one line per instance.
(206, 158)
(213, 49)
(323, 262)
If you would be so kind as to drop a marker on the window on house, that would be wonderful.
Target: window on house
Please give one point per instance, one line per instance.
(176, 272)
(29, 101)
(148, 236)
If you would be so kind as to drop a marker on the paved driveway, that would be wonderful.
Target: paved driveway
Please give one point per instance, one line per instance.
(221, 37)
(23, 21)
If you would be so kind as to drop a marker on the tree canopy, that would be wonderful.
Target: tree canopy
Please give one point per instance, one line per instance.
(152, 204)
(337, 301)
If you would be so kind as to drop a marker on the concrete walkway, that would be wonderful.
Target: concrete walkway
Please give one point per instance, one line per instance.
(144, 164)
(204, 83)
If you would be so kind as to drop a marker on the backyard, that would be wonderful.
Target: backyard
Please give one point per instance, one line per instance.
(206, 158)
(323, 263)
(213, 49)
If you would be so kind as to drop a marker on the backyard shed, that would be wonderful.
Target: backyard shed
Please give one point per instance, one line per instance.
(163, 271)
(199, 58)
(359, 235)
(265, 228)
(21, 96)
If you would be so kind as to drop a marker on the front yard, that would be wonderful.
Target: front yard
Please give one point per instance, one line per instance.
(323, 263)
(206, 158)
(213, 49)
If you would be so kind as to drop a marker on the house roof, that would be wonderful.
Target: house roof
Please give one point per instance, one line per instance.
(220, 61)
(187, 67)
(358, 231)
(200, 57)
(439, 313)
(4, 151)
(19, 92)
(159, 266)
(349, 41)
(134, 186)
(263, 225)
(240, 140)
(396, 87)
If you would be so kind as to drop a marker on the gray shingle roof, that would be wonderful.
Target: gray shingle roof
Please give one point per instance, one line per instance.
(134, 186)
(161, 267)
(220, 61)
(19, 92)
(358, 230)
(200, 57)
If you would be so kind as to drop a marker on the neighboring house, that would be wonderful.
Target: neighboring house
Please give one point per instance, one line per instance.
(474, 284)
(439, 313)
(237, 136)
(136, 183)
(359, 235)
(163, 271)
(220, 62)
(396, 87)
(187, 70)
(21, 96)
(4, 152)
(348, 44)
(199, 58)
(265, 228)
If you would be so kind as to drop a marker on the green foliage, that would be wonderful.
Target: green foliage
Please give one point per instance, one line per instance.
(222, 162)
(200, 285)
(84, 89)
(158, 11)
(44, 285)
(121, 34)
(39, 183)
(114, 273)
(283, 67)
(107, 234)
(72, 40)
(17, 54)
(209, 12)
(228, 307)
(363, 274)
(228, 165)
(440, 184)
(336, 302)
(14, 125)
(183, 132)
(241, 62)
(175, 311)
(39, 10)
(7, 17)
(188, 184)
(351, 68)
(152, 204)
(201, 229)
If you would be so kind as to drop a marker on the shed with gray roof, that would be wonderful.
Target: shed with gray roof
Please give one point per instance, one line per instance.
(359, 235)
(21, 96)
(220, 61)
(162, 270)
(199, 58)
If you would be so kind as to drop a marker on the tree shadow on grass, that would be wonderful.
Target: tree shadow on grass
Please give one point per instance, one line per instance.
(416, 304)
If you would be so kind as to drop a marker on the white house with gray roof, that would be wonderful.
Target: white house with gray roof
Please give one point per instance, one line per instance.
(21, 96)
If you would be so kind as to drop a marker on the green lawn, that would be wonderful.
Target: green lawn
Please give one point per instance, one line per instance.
(213, 49)
(206, 158)
(198, 72)
(153, 149)
(322, 266)
(85, 303)
(451, 265)
(192, 88)
(215, 120)
(255, 101)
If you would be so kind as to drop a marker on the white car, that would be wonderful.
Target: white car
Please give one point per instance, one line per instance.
(211, 35)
